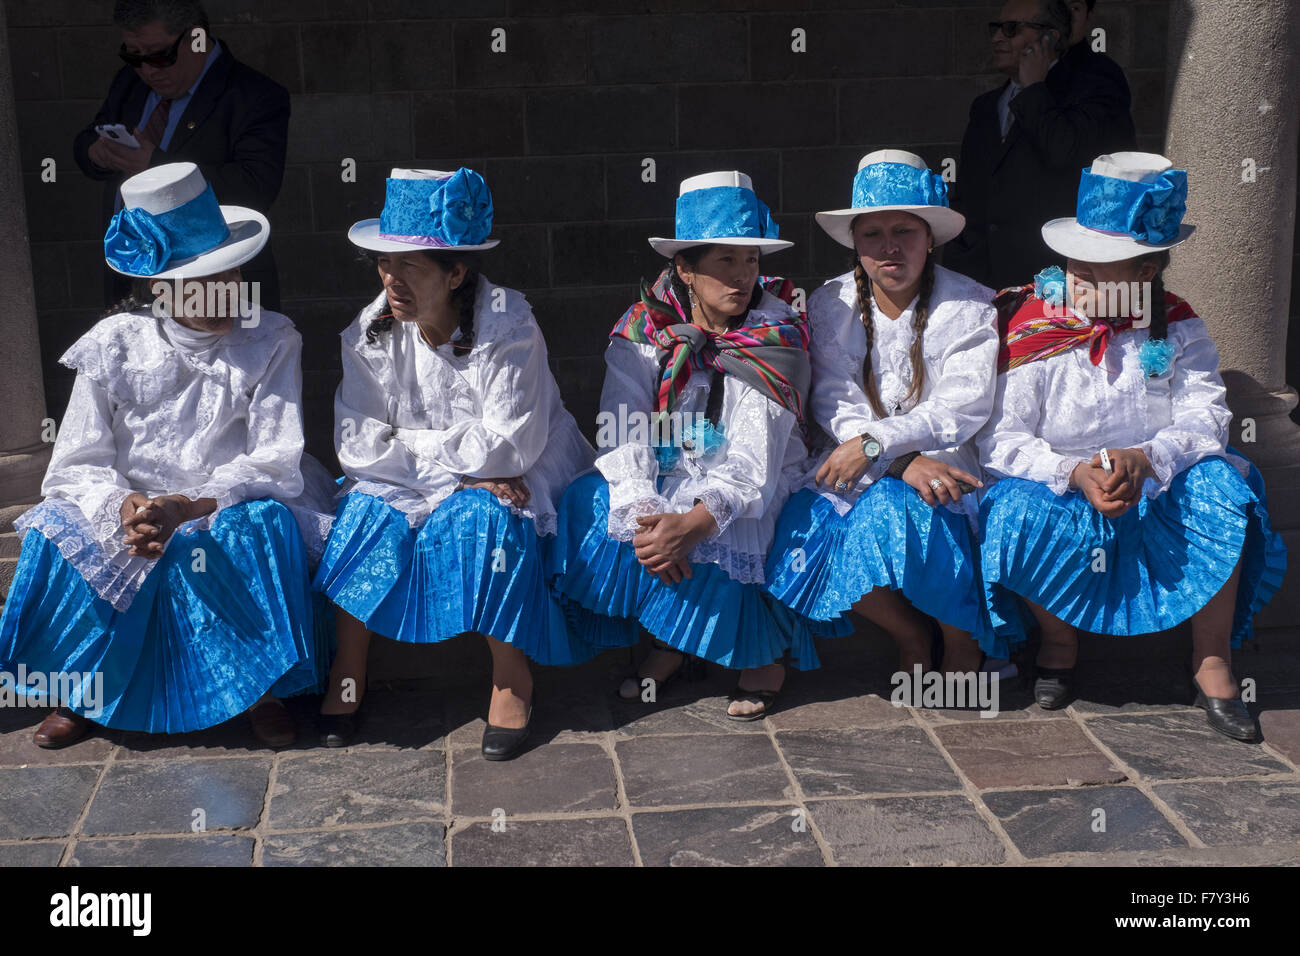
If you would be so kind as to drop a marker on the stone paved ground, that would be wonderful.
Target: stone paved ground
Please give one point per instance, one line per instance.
(837, 776)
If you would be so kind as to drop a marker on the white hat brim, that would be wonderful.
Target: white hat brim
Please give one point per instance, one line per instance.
(944, 223)
(365, 234)
(1068, 238)
(670, 247)
(249, 232)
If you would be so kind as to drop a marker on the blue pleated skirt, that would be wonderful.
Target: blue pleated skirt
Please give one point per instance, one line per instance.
(709, 615)
(203, 639)
(1149, 570)
(473, 566)
(822, 563)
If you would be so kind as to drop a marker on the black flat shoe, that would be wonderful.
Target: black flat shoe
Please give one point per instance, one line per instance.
(338, 730)
(633, 681)
(1053, 687)
(1228, 715)
(503, 743)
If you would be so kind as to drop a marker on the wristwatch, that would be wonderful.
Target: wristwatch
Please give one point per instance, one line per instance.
(870, 448)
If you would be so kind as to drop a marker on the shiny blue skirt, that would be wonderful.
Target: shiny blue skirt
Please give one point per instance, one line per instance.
(1149, 570)
(708, 615)
(201, 641)
(822, 563)
(473, 566)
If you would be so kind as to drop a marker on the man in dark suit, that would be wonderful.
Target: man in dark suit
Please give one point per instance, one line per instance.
(1027, 141)
(187, 99)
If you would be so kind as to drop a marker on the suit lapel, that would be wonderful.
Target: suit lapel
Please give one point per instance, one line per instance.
(204, 100)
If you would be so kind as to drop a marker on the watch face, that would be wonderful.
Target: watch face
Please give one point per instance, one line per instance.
(871, 447)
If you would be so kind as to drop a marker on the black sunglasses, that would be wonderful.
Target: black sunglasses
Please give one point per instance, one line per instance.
(159, 60)
(1010, 28)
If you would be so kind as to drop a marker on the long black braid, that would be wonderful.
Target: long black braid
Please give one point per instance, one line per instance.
(919, 320)
(1156, 309)
(462, 299)
(140, 296)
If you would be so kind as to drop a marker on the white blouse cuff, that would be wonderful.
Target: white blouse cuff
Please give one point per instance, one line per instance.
(623, 525)
(719, 507)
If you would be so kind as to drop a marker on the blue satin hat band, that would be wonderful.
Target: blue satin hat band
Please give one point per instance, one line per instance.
(897, 184)
(141, 243)
(439, 213)
(1146, 212)
(724, 212)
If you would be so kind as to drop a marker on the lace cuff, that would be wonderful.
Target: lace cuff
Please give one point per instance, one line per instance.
(1161, 463)
(717, 505)
(622, 520)
(1059, 481)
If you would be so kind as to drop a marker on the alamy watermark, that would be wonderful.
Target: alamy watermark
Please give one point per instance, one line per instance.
(676, 429)
(955, 690)
(83, 691)
(208, 299)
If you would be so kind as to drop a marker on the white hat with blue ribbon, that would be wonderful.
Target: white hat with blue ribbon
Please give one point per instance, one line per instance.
(895, 180)
(1129, 203)
(430, 209)
(721, 209)
(171, 227)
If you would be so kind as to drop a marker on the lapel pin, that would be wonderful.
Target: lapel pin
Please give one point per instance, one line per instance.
(190, 125)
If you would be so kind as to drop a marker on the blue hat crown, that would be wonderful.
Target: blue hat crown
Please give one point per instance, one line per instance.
(722, 206)
(1139, 195)
(436, 209)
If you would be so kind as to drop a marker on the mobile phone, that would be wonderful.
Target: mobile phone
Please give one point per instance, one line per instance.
(117, 133)
(964, 487)
(1106, 466)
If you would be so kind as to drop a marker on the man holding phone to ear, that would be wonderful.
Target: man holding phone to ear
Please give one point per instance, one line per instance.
(184, 97)
(1027, 140)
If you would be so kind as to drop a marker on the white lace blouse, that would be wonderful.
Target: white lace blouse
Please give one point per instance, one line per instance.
(158, 408)
(1054, 413)
(742, 485)
(410, 421)
(960, 346)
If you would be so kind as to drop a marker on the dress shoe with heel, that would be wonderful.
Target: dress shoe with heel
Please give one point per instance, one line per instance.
(503, 743)
(1227, 715)
(272, 723)
(60, 729)
(1053, 687)
(338, 730)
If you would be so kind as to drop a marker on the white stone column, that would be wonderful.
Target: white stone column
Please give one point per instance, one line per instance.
(23, 456)
(1233, 76)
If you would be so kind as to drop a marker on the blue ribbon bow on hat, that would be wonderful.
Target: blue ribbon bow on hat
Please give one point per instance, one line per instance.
(455, 211)
(141, 243)
(1148, 212)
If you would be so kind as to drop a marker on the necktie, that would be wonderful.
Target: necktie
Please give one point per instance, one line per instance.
(157, 125)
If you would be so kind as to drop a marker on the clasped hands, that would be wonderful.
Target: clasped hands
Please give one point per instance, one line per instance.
(148, 523)
(846, 464)
(1113, 494)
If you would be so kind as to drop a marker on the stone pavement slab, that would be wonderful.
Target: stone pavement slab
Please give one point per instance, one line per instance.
(727, 836)
(906, 831)
(1089, 819)
(833, 763)
(212, 849)
(1238, 812)
(405, 844)
(326, 788)
(599, 842)
(1164, 746)
(145, 796)
(43, 801)
(1027, 753)
(662, 771)
(553, 778)
(30, 854)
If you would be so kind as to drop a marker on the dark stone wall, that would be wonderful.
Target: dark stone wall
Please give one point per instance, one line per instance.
(559, 124)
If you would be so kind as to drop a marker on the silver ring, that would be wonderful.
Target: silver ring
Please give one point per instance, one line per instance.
(936, 484)
(840, 485)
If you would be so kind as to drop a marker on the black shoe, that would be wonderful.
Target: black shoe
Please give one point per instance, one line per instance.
(338, 730)
(633, 682)
(1053, 687)
(1228, 715)
(502, 743)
